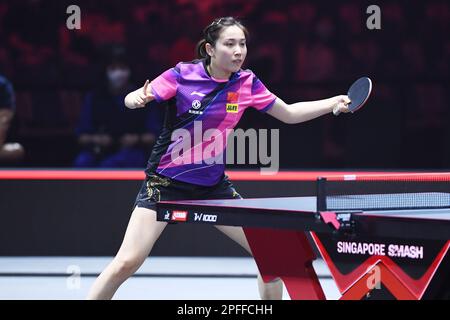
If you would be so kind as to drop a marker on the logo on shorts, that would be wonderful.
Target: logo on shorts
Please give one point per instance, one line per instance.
(179, 215)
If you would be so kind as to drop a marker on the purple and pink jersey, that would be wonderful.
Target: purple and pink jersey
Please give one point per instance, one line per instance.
(203, 105)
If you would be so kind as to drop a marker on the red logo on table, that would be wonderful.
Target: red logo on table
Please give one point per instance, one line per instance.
(179, 215)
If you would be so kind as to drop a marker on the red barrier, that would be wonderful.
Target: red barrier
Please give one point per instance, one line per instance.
(233, 175)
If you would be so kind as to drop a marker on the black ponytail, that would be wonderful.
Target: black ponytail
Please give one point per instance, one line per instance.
(200, 49)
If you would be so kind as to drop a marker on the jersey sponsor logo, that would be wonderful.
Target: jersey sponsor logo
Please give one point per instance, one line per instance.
(178, 215)
(195, 93)
(205, 217)
(195, 111)
(196, 104)
(232, 107)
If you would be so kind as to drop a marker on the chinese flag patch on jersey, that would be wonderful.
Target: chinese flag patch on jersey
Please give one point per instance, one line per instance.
(232, 97)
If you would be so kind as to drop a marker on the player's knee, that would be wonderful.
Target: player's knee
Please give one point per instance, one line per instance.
(124, 267)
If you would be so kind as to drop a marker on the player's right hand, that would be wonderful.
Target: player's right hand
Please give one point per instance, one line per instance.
(142, 96)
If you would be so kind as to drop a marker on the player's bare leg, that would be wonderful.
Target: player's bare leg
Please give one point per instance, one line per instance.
(142, 232)
(272, 290)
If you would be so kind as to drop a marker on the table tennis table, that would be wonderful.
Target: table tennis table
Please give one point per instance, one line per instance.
(371, 254)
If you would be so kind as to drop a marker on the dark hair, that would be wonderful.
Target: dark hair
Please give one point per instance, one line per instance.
(212, 32)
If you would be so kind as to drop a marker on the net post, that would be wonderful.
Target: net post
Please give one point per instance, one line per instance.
(321, 195)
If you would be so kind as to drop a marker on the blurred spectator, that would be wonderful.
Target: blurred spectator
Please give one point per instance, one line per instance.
(12, 152)
(111, 135)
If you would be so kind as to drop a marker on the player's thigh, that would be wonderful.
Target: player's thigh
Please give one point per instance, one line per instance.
(237, 234)
(142, 232)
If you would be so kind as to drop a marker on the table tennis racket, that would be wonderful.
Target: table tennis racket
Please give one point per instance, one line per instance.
(358, 93)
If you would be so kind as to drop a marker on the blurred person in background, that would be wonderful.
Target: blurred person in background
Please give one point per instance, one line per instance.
(10, 152)
(109, 134)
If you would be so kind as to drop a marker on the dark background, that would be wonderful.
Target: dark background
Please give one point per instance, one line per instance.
(301, 50)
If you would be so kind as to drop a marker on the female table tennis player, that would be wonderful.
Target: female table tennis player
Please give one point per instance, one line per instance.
(215, 91)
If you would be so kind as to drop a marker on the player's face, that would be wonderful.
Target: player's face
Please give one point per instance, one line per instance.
(230, 50)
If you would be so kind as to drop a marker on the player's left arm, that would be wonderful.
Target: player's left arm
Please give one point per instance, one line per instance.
(307, 110)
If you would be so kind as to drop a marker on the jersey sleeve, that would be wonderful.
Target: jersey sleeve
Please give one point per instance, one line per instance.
(165, 85)
(262, 98)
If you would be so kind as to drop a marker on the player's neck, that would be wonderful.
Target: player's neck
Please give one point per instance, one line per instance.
(217, 73)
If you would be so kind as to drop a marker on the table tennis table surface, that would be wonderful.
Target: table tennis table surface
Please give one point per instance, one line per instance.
(428, 227)
(309, 205)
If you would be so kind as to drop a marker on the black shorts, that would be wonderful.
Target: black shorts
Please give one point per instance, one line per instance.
(159, 188)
